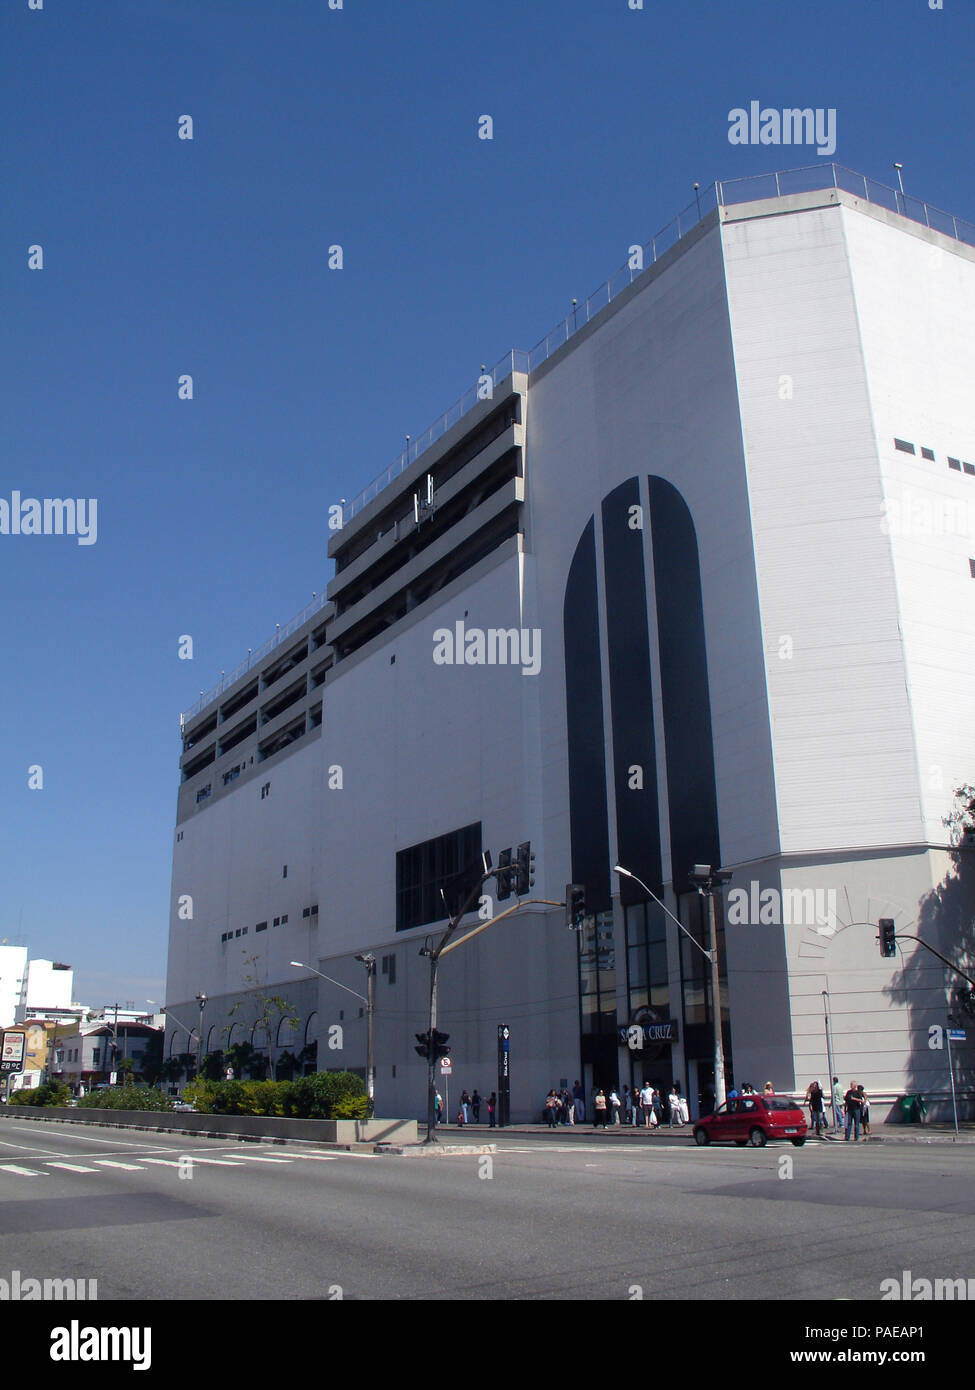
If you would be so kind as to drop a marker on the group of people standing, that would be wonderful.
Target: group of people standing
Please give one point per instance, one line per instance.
(637, 1106)
(469, 1108)
(851, 1109)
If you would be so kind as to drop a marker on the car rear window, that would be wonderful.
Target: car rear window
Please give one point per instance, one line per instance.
(780, 1103)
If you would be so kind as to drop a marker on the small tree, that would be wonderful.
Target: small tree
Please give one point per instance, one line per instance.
(214, 1066)
(152, 1059)
(238, 1057)
(271, 1010)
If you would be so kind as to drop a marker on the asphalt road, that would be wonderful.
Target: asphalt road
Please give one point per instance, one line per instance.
(599, 1220)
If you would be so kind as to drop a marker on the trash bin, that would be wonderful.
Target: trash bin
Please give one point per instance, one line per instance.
(909, 1112)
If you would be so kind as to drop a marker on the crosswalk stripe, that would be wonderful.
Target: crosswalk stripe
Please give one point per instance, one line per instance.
(111, 1163)
(222, 1162)
(318, 1158)
(26, 1172)
(259, 1158)
(73, 1167)
(163, 1162)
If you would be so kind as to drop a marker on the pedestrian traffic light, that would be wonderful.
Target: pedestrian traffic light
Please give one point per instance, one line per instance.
(503, 878)
(575, 906)
(525, 877)
(423, 1044)
(888, 939)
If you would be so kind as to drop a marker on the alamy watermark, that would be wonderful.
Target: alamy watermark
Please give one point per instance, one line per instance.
(755, 906)
(50, 516)
(791, 126)
(927, 1290)
(496, 646)
(18, 1289)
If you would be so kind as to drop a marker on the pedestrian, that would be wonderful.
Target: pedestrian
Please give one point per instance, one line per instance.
(579, 1101)
(552, 1109)
(614, 1106)
(837, 1103)
(864, 1110)
(646, 1104)
(673, 1105)
(438, 1107)
(599, 1108)
(476, 1107)
(627, 1105)
(570, 1107)
(465, 1106)
(769, 1089)
(853, 1108)
(658, 1113)
(492, 1107)
(817, 1111)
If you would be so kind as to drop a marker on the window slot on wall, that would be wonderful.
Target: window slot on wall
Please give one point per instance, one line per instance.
(904, 446)
(955, 463)
(927, 453)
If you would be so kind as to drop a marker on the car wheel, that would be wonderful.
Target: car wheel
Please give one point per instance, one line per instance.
(701, 1137)
(799, 1142)
(757, 1138)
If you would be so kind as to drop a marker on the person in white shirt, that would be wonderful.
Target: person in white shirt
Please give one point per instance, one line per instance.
(646, 1104)
(614, 1105)
(673, 1103)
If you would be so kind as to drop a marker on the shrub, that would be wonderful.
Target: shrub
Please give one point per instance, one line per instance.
(200, 1094)
(351, 1108)
(264, 1097)
(127, 1098)
(317, 1097)
(51, 1093)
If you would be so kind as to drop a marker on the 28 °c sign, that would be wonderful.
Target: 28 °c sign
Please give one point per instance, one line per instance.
(13, 1051)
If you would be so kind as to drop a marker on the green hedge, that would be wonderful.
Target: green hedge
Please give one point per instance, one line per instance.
(52, 1093)
(333, 1095)
(127, 1098)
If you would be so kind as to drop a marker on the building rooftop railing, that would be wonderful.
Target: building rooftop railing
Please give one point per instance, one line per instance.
(722, 193)
(255, 657)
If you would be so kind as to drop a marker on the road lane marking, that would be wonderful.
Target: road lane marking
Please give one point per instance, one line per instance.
(26, 1172)
(260, 1158)
(73, 1167)
(223, 1162)
(113, 1163)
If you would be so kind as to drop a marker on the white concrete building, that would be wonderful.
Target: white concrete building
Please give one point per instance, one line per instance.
(724, 513)
(13, 966)
(46, 992)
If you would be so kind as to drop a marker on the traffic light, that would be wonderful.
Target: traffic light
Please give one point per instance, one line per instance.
(503, 879)
(575, 906)
(525, 877)
(439, 1045)
(888, 939)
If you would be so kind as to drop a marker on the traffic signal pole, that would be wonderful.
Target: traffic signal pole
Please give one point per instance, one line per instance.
(446, 943)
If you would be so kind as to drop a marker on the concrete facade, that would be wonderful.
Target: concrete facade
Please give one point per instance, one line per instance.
(753, 649)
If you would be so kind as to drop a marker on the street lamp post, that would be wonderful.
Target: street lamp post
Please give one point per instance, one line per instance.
(369, 960)
(829, 1054)
(705, 878)
(201, 999)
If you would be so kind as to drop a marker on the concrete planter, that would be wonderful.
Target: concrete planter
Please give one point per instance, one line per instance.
(234, 1126)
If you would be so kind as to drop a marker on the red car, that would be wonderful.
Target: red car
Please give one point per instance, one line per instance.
(753, 1119)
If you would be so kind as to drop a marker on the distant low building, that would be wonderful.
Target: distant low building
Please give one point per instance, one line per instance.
(88, 1056)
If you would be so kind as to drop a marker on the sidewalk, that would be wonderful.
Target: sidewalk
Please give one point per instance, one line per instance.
(934, 1133)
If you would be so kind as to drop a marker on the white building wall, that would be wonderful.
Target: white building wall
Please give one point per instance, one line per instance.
(13, 967)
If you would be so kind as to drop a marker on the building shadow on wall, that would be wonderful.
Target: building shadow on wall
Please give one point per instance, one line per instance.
(946, 921)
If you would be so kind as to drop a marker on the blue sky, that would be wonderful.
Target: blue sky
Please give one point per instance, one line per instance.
(315, 126)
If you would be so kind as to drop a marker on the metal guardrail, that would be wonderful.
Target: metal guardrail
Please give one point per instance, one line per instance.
(255, 657)
(722, 193)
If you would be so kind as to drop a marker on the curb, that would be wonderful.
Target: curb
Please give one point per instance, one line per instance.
(201, 1134)
(433, 1150)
